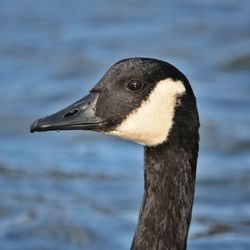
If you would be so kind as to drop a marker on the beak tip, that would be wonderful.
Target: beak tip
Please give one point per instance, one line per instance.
(34, 126)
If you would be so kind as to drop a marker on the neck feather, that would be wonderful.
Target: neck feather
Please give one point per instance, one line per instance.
(166, 209)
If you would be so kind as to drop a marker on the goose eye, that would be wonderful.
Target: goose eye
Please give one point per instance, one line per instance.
(135, 85)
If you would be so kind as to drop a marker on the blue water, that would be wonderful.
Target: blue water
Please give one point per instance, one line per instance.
(80, 190)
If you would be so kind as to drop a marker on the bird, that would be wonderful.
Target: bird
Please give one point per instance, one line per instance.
(150, 102)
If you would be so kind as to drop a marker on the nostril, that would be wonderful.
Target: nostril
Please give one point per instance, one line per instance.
(71, 113)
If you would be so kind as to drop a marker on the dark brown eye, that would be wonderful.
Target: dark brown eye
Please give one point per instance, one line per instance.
(135, 85)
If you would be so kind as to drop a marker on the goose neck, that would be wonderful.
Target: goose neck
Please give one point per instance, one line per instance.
(165, 215)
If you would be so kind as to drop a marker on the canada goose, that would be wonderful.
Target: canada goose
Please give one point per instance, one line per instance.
(152, 103)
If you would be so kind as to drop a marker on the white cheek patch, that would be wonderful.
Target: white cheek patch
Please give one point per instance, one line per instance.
(151, 122)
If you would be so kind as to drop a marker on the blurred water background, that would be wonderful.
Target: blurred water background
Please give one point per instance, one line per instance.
(80, 190)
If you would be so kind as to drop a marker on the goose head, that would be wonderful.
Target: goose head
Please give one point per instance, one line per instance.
(136, 99)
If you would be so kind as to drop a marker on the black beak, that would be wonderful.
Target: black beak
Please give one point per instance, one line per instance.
(78, 116)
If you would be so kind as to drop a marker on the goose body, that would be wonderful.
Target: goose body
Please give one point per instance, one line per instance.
(150, 102)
